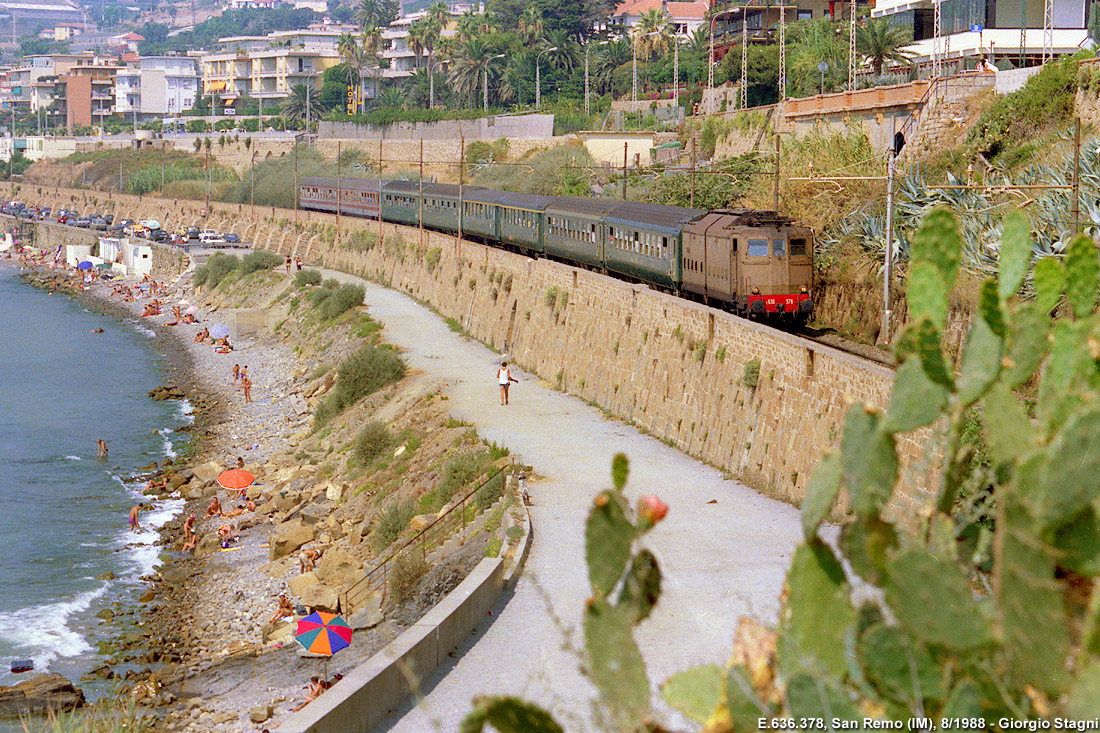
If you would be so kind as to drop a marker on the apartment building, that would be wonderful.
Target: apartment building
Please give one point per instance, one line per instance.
(156, 86)
(268, 74)
(1010, 30)
(403, 61)
(85, 95)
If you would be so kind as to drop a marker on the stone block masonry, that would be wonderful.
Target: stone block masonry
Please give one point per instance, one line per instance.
(674, 368)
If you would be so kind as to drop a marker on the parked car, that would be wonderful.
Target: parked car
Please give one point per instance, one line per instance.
(120, 226)
(158, 235)
(109, 217)
(209, 236)
(231, 238)
(99, 223)
(81, 221)
(192, 232)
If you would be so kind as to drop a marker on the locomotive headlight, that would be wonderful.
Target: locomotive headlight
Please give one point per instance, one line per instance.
(756, 291)
(802, 289)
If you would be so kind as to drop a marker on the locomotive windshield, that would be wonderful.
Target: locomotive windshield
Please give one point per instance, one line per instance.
(758, 248)
(798, 248)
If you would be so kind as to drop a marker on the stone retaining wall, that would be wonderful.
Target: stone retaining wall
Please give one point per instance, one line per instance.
(674, 368)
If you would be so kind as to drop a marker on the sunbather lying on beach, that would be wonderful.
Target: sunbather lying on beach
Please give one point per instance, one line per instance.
(236, 512)
(202, 335)
(189, 318)
(316, 689)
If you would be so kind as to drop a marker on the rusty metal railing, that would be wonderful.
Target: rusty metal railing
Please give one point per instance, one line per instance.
(442, 528)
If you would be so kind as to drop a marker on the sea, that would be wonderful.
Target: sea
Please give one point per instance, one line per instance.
(63, 511)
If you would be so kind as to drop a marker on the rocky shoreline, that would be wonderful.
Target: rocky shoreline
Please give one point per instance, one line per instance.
(201, 653)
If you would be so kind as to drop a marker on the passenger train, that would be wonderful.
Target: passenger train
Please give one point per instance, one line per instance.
(756, 263)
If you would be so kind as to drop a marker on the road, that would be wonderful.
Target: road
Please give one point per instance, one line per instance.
(723, 549)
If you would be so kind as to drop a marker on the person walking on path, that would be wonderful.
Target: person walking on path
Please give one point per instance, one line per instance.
(504, 379)
(236, 373)
(246, 385)
(100, 449)
(288, 263)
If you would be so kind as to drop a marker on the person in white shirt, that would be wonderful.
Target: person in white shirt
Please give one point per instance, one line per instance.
(504, 379)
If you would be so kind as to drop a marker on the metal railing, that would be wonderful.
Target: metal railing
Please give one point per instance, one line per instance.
(442, 528)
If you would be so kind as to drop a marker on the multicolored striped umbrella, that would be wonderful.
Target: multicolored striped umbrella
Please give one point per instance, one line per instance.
(323, 633)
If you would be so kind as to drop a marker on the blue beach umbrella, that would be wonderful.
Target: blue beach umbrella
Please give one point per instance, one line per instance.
(218, 331)
(85, 265)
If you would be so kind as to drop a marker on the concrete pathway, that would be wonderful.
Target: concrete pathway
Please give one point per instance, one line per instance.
(723, 548)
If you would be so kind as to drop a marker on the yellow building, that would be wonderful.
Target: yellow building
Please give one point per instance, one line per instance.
(263, 74)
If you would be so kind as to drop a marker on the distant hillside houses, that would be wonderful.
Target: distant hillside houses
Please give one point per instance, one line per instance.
(317, 6)
(32, 17)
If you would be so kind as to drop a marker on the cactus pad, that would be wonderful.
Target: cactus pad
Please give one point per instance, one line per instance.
(865, 545)
(641, 587)
(696, 692)
(816, 615)
(869, 462)
(938, 242)
(616, 664)
(1072, 480)
(812, 696)
(899, 667)
(821, 493)
(1079, 540)
(915, 400)
(990, 308)
(508, 715)
(926, 293)
(930, 598)
(1015, 257)
(981, 362)
(1049, 280)
(607, 538)
(1008, 431)
(1082, 269)
(1027, 344)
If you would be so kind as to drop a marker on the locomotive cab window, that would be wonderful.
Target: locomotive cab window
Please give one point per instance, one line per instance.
(758, 248)
(779, 247)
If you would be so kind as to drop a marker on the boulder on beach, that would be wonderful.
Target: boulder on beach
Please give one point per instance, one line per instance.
(208, 471)
(288, 537)
(39, 694)
(338, 568)
(209, 543)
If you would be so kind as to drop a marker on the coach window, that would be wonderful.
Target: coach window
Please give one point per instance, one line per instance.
(758, 248)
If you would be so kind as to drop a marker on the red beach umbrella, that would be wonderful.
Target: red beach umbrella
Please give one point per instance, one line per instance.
(236, 479)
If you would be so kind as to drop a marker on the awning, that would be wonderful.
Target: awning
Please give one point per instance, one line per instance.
(216, 86)
(226, 101)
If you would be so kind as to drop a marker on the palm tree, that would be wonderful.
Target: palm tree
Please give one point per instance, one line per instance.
(567, 54)
(880, 41)
(653, 34)
(392, 97)
(293, 108)
(439, 12)
(605, 60)
(471, 61)
(530, 25)
(424, 36)
(350, 51)
(371, 43)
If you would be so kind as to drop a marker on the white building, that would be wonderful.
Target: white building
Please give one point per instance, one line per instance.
(403, 62)
(157, 86)
(997, 29)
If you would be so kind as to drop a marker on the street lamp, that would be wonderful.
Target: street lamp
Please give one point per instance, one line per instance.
(485, 82)
(538, 77)
(586, 50)
(822, 67)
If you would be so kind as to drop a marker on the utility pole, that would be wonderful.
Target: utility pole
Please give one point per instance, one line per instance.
(782, 52)
(624, 169)
(888, 265)
(380, 169)
(461, 180)
(852, 46)
(339, 194)
(252, 192)
(1075, 210)
(296, 191)
(744, 56)
(420, 199)
(691, 202)
(775, 188)
(209, 181)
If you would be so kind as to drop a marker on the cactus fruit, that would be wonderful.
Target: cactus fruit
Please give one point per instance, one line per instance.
(1049, 280)
(1082, 268)
(508, 715)
(696, 692)
(931, 600)
(821, 493)
(816, 615)
(641, 587)
(915, 401)
(607, 538)
(869, 462)
(1015, 255)
(616, 664)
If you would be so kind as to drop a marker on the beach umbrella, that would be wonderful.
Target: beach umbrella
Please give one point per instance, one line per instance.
(85, 265)
(192, 309)
(218, 331)
(323, 633)
(235, 479)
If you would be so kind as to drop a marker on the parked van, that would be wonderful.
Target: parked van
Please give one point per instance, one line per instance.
(209, 236)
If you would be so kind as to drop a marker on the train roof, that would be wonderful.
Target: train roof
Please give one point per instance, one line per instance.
(755, 218)
(659, 215)
(447, 190)
(347, 184)
(598, 207)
